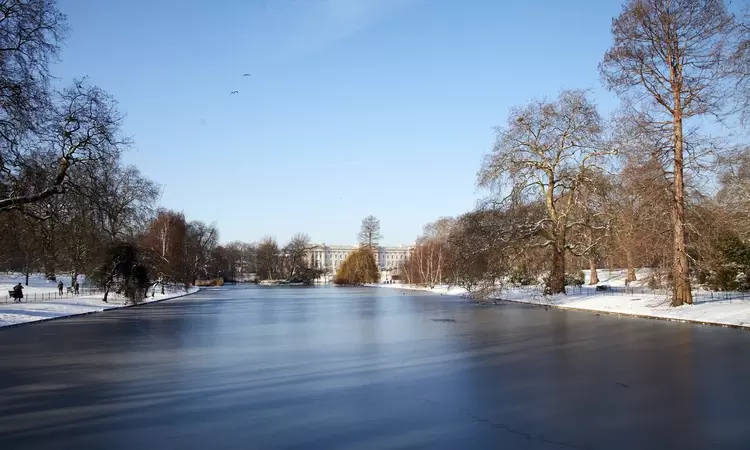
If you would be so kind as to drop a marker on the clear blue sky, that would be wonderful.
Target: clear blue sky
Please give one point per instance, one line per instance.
(354, 107)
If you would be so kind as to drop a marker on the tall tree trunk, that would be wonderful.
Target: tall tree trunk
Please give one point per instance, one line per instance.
(106, 293)
(557, 272)
(27, 270)
(680, 266)
(49, 268)
(631, 267)
(594, 277)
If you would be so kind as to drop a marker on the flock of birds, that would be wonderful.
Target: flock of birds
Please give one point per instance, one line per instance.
(237, 92)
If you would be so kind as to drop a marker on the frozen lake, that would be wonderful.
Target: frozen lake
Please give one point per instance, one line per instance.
(369, 368)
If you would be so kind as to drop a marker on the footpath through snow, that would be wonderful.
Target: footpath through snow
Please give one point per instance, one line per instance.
(49, 306)
(719, 308)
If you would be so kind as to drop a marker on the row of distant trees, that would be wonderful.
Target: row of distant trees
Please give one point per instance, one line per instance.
(287, 262)
(269, 260)
(647, 189)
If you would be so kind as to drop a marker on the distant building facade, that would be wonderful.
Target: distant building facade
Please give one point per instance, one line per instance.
(331, 256)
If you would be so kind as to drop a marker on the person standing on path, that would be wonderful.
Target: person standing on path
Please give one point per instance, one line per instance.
(18, 292)
(60, 287)
(75, 287)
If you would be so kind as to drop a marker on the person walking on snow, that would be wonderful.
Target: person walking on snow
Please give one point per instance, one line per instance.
(75, 287)
(60, 287)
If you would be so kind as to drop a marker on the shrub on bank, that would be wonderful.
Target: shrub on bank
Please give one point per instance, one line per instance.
(358, 268)
(577, 279)
(520, 276)
(305, 276)
(123, 270)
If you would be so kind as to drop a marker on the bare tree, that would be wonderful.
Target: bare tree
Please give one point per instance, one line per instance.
(83, 129)
(80, 236)
(405, 270)
(248, 259)
(734, 193)
(594, 215)
(667, 60)
(545, 154)
(46, 215)
(268, 258)
(121, 198)
(429, 258)
(739, 64)
(640, 204)
(31, 32)
(296, 253)
(164, 245)
(221, 264)
(481, 243)
(369, 235)
(200, 242)
(719, 227)
(26, 242)
(236, 258)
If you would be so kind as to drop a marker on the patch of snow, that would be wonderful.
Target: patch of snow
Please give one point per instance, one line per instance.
(617, 277)
(48, 305)
(720, 308)
(38, 284)
(440, 289)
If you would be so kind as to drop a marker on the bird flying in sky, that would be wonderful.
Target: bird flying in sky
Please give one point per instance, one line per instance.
(234, 92)
(246, 75)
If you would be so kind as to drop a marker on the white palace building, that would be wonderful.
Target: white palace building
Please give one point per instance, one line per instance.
(331, 256)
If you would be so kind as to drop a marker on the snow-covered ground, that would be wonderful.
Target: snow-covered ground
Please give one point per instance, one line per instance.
(617, 277)
(41, 301)
(37, 284)
(721, 308)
